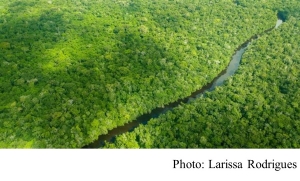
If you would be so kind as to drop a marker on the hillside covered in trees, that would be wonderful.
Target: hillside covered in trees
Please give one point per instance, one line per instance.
(73, 70)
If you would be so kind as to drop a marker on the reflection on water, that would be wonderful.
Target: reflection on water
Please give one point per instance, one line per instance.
(218, 81)
(232, 67)
(278, 23)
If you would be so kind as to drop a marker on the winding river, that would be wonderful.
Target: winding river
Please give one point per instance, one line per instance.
(218, 81)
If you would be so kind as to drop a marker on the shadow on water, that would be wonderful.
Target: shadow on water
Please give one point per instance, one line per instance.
(218, 81)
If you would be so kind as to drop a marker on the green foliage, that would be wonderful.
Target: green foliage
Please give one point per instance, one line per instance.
(257, 108)
(72, 70)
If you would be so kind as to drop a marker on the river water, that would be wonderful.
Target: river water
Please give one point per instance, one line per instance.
(218, 81)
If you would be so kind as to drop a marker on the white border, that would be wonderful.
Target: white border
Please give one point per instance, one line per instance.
(133, 164)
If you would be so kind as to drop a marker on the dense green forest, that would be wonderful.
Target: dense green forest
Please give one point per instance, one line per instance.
(257, 108)
(73, 70)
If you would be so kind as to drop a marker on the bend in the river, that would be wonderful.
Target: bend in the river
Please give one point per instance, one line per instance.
(218, 81)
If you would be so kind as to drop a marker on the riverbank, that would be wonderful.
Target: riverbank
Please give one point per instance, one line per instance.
(256, 108)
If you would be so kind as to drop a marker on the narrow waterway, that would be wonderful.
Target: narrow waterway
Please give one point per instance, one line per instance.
(218, 81)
